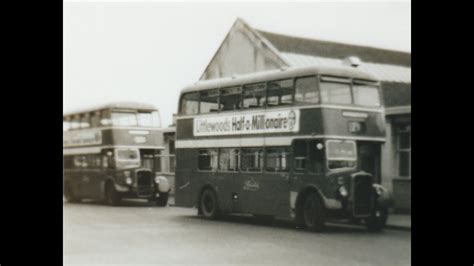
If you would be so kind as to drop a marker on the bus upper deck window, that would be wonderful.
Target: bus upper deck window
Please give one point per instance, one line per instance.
(85, 121)
(124, 118)
(280, 92)
(335, 92)
(190, 103)
(209, 102)
(75, 122)
(366, 95)
(148, 119)
(231, 98)
(254, 96)
(66, 125)
(306, 90)
(95, 119)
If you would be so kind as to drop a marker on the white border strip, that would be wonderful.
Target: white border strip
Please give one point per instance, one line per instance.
(238, 112)
(262, 141)
(98, 149)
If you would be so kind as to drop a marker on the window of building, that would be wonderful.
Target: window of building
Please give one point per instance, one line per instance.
(209, 101)
(300, 155)
(207, 160)
(404, 150)
(254, 96)
(338, 93)
(280, 92)
(190, 103)
(277, 160)
(228, 159)
(251, 160)
(306, 90)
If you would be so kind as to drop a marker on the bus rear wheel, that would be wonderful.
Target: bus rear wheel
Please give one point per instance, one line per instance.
(69, 194)
(208, 205)
(112, 197)
(313, 213)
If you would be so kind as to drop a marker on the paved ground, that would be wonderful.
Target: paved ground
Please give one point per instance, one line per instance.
(139, 233)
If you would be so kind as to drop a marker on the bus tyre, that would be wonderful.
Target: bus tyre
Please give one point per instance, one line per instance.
(208, 205)
(313, 213)
(69, 195)
(162, 200)
(377, 220)
(112, 197)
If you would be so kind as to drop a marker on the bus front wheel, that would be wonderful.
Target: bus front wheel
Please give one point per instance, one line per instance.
(208, 205)
(313, 213)
(377, 220)
(162, 200)
(112, 197)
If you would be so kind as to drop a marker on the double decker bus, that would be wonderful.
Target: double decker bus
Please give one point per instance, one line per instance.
(300, 144)
(112, 152)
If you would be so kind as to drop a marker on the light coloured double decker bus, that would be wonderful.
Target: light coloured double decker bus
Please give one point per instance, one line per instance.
(300, 144)
(113, 152)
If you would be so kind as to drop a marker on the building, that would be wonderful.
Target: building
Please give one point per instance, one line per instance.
(246, 49)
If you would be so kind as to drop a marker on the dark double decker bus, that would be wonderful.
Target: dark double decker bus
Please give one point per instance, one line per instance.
(300, 144)
(113, 152)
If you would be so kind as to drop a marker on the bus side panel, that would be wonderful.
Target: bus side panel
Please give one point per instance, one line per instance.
(185, 191)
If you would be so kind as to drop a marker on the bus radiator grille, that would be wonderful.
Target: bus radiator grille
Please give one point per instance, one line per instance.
(144, 183)
(362, 195)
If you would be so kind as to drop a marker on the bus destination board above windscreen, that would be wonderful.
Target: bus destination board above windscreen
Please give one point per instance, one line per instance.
(284, 121)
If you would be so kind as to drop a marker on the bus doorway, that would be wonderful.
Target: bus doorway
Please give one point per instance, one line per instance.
(151, 159)
(369, 158)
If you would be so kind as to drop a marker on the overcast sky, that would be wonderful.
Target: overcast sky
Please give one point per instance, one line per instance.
(147, 52)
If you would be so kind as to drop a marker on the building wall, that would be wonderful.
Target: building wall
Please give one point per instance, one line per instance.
(241, 52)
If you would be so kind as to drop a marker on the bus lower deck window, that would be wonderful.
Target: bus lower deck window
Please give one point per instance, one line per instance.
(228, 159)
(207, 160)
(251, 160)
(277, 160)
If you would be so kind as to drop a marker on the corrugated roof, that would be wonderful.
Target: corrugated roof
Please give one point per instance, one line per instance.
(383, 72)
(298, 45)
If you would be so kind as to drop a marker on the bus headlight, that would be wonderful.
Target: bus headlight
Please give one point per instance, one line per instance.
(343, 191)
(128, 180)
(163, 184)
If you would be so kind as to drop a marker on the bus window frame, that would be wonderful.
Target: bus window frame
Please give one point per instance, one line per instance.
(375, 84)
(294, 170)
(241, 95)
(342, 169)
(318, 91)
(288, 163)
(218, 101)
(264, 106)
(293, 80)
(262, 168)
(215, 170)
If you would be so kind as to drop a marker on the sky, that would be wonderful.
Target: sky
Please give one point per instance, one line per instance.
(148, 51)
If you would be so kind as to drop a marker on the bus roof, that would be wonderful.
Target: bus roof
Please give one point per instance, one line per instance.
(340, 71)
(114, 105)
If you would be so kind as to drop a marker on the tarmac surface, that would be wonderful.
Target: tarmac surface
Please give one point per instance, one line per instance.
(141, 233)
